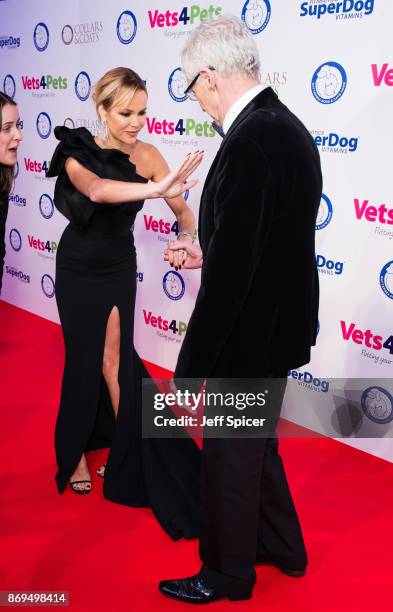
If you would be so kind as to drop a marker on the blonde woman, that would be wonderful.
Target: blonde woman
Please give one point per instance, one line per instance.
(101, 185)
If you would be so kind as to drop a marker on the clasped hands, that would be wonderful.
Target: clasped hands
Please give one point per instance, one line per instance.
(183, 254)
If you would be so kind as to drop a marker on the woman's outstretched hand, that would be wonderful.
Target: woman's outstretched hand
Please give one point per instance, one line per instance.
(174, 183)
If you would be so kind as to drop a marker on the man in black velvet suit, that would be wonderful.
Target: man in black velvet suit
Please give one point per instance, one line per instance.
(256, 311)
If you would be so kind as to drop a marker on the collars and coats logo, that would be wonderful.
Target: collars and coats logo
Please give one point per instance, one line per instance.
(82, 33)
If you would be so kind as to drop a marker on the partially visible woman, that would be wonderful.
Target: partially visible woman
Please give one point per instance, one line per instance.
(10, 137)
(101, 185)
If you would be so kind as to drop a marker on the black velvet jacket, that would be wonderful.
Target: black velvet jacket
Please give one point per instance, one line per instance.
(257, 308)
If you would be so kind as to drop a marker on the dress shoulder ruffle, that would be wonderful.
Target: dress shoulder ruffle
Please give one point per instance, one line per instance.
(79, 143)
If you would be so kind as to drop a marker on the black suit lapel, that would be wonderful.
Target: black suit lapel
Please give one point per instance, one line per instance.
(267, 97)
(208, 177)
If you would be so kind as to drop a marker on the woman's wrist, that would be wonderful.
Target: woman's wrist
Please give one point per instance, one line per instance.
(151, 191)
(184, 235)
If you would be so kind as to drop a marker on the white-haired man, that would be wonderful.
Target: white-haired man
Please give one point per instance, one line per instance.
(257, 218)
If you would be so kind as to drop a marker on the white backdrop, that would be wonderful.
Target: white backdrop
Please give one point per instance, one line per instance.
(330, 62)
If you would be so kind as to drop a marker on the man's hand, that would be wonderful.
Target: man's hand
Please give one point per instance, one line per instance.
(183, 254)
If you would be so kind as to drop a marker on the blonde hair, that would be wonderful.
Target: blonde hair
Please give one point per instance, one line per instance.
(115, 85)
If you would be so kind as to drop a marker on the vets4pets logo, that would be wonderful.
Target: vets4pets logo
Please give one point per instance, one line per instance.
(170, 330)
(370, 341)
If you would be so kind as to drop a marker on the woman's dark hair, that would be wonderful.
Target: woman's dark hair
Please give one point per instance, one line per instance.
(6, 172)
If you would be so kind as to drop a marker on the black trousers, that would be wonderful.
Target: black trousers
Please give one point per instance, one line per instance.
(247, 511)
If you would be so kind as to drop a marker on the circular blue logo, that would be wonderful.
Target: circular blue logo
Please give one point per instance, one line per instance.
(46, 206)
(325, 213)
(256, 15)
(176, 85)
(377, 405)
(9, 86)
(328, 82)
(41, 36)
(126, 27)
(16, 170)
(386, 279)
(82, 86)
(15, 239)
(48, 286)
(44, 125)
(173, 285)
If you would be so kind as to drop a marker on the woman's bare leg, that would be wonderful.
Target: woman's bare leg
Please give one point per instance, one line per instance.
(111, 358)
(111, 362)
(110, 370)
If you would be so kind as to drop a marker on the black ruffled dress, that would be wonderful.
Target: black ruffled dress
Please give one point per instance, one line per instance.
(95, 271)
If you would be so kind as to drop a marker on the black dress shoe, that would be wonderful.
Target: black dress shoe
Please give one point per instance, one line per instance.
(195, 590)
(294, 573)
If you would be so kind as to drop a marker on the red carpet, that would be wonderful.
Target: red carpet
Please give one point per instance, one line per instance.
(110, 558)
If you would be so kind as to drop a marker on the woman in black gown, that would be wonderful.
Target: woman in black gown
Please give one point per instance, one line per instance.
(101, 185)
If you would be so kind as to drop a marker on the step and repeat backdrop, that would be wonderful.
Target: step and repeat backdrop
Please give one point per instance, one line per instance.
(330, 62)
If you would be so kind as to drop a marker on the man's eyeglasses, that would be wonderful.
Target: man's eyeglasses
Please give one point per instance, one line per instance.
(188, 91)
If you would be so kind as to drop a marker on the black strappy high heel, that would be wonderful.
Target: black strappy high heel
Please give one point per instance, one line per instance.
(80, 491)
(101, 470)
